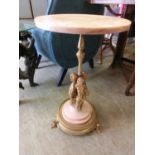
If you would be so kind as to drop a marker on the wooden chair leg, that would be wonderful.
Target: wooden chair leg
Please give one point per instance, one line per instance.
(130, 83)
(61, 76)
(100, 55)
(91, 63)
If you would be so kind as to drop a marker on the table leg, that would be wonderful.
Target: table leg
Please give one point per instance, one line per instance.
(120, 48)
(130, 83)
(80, 54)
(76, 116)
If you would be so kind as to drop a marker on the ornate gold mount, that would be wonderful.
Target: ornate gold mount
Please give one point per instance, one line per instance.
(76, 116)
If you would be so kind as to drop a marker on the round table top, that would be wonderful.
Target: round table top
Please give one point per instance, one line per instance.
(82, 23)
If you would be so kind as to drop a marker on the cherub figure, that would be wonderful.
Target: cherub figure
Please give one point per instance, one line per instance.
(82, 91)
(72, 88)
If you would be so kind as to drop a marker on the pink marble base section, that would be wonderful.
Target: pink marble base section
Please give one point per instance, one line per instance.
(73, 116)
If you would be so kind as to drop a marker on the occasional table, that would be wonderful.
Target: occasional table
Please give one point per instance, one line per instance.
(76, 115)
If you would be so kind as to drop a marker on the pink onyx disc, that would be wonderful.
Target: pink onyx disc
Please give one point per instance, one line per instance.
(73, 116)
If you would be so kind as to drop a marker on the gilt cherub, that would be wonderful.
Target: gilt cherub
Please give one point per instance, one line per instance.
(72, 89)
(82, 91)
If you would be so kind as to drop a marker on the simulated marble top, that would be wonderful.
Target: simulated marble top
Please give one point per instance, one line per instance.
(82, 23)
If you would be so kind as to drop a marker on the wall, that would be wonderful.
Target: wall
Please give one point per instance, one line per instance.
(31, 8)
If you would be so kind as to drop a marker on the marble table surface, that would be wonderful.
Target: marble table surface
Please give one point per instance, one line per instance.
(82, 23)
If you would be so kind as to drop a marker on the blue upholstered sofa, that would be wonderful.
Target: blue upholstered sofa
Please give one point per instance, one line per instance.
(61, 48)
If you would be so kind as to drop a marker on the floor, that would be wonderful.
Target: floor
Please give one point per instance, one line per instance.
(38, 107)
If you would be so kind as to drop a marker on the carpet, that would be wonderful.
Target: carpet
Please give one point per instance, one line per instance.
(115, 111)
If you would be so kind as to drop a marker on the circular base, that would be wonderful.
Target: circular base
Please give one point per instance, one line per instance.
(76, 128)
(74, 116)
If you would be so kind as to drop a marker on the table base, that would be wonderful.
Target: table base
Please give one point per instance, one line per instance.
(76, 129)
(77, 116)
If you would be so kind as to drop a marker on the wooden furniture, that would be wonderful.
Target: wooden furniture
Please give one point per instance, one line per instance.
(130, 83)
(77, 115)
(128, 14)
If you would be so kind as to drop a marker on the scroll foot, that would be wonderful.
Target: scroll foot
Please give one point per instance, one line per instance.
(99, 128)
(54, 124)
